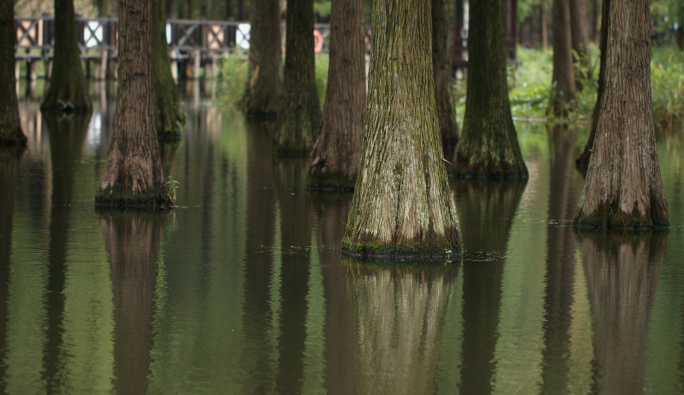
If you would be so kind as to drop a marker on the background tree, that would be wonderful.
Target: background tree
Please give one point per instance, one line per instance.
(68, 90)
(133, 174)
(265, 60)
(579, 33)
(488, 147)
(10, 125)
(336, 154)
(441, 64)
(169, 117)
(623, 187)
(299, 116)
(563, 97)
(401, 203)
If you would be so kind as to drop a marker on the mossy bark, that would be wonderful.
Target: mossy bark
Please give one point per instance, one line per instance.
(623, 187)
(68, 89)
(10, 125)
(265, 60)
(401, 204)
(299, 117)
(133, 175)
(169, 117)
(488, 147)
(563, 97)
(441, 64)
(337, 152)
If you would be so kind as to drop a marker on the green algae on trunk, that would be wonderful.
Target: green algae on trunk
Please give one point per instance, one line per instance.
(401, 205)
(299, 116)
(623, 187)
(488, 147)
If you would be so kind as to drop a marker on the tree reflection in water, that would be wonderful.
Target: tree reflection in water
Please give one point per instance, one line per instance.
(399, 312)
(622, 274)
(132, 241)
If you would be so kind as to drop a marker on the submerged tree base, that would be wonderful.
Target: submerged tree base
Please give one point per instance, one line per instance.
(155, 200)
(428, 246)
(336, 182)
(266, 116)
(612, 217)
(285, 150)
(15, 137)
(488, 170)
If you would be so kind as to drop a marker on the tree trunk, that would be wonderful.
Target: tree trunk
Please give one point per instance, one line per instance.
(132, 241)
(489, 145)
(106, 8)
(542, 22)
(563, 98)
(583, 161)
(337, 152)
(623, 187)
(133, 175)
(169, 117)
(241, 15)
(595, 28)
(265, 60)
(229, 9)
(10, 125)
(679, 37)
(68, 90)
(401, 204)
(580, 39)
(441, 64)
(299, 117)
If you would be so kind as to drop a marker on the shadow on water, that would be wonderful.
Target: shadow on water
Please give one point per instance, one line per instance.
(132, 241)
(399, 309)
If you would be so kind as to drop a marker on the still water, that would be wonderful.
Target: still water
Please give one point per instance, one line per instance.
(242, 289)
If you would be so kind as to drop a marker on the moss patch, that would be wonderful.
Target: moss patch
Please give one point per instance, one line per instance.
(154, 200)
(610, 216)
(418, 248)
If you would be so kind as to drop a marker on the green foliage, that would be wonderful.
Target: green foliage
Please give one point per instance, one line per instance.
(322, 8)
(668, 12)
(322, 62)
(233, 79)
(667, 86)
(172, 185)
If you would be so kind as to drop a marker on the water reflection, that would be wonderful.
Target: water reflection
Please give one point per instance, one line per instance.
(399, 311)
(132, 241)
(622, 275)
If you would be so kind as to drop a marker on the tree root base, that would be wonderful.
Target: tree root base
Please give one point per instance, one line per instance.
(266, 116)
(13, 138)
(609, 217)
(284, 150)
(334, 182)
(155, 200)
(491, 170)
(438, 249)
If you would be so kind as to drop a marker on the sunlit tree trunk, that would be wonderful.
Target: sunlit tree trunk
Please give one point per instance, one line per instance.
(299, 117)
(68, 90)
(441, 64)
(10, 126)
(488, 147)
(265, 60)
(563, 97)
(133, 174)
(336, 154)
(401, 204)
(169, 117)
(623, 187)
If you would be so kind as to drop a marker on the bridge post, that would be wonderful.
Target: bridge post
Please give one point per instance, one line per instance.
(197, 57)
(104, 57)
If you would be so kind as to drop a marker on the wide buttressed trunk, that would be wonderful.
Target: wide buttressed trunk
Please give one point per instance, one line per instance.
(68, 90)
(563, 96)
(133, 175)
(488, 147)
(623, 187)
(10, 126)
(441, 64)
(265, 60)
(170, 118)
(336, 154)
(299, 117)
(401, 204)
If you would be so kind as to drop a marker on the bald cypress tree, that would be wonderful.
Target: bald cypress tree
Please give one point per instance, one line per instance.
(10, 126)
(441, 63)
(401, 204)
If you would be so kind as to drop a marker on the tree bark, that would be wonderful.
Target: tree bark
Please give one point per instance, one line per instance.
(299, 117)
(337, 152)
(169, 117)
(623, 187)
(488, 147)
(10, 124)
(228, 10)
(563, 97)
(595, 28)
(441, 64)
(580, 39)
(401, 204)
(133, 175)
(265, 60)
(583, 161)
(68, 90)
(544, 27)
